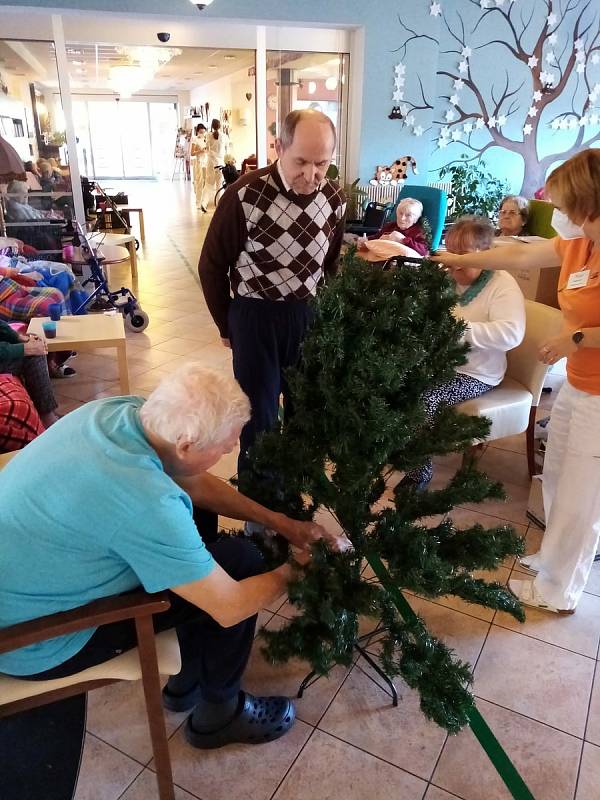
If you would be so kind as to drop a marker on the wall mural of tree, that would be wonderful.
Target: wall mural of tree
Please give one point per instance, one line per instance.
(523, 75)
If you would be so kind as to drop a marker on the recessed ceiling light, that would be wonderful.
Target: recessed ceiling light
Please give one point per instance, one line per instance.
(78, 63)
(73, 52)
(229, 58)
(212, 66)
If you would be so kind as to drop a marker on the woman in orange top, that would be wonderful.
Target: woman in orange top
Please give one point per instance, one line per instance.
(571, 484)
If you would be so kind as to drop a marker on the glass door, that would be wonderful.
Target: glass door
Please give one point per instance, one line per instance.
(298, 80)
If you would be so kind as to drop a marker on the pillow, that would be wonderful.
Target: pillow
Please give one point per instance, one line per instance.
(19, 421)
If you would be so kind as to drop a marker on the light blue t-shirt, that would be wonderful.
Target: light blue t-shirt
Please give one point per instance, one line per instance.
(87, 511)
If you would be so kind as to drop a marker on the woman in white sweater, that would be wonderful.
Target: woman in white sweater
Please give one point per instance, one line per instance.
(492, 305)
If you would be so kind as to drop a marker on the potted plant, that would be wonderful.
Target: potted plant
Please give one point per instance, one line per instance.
(474, 190)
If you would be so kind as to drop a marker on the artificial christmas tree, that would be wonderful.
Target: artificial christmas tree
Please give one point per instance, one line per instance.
(379, 340)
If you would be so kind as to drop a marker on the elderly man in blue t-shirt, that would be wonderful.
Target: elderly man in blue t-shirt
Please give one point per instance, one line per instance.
(107, 500)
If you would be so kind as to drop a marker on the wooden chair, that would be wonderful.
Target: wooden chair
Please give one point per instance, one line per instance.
(512, 405)
(19, 695)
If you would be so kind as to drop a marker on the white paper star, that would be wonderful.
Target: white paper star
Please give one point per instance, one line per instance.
(398, 96)
(547, 78)
(492, 122)
(537, 96)
(418, 131)
(456, 135)
(404, 109)
(573, 123)
(527, 129)
(443, 142)
(551, 19)
(454, 100)
(450, 115)
(563, 125)
(580, 55)
(459, 84)
(594, 119)
(502, 120)
(480, 123)
(552, 39)
(595, 58)
(578, 44)
(463, 67)
(580, 68)
(583, 121)
(466, 52)
(468, 127)
(532, 111)
(410, 121)
(555, 124)
(445, 131)
(499, 3)
(399, 81)
(532, 62)
(550, 57)
(485, 3)
(435, 9)
(400, 69)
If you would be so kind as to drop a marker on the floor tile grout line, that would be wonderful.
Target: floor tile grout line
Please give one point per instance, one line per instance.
(373, 755)
(473, 668)
(587, 721)
(532, 719)
(118, 749)
(294, 760)
(441, 788)
(537, 639)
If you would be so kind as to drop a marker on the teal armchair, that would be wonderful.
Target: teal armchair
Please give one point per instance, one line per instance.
(435, 205)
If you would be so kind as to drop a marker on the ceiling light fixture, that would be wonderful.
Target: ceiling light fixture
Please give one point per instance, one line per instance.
(201, 5)
(312, 87)
(331, 83)
(229, 57)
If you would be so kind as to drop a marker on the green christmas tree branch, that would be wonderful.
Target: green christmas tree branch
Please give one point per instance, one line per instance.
(380, 340)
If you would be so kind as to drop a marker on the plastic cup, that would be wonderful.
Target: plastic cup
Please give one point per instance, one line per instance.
(55, 311)
(49, 329)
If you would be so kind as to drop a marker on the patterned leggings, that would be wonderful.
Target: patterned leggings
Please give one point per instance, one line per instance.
(33, 370)
(460, 388)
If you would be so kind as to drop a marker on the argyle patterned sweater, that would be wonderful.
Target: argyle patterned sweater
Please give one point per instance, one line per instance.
(270, 244)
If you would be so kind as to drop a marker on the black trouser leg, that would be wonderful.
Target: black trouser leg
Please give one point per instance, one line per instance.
(266, 337)
(214, 656)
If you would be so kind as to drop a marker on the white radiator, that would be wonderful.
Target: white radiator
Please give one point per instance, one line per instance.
(381, 193)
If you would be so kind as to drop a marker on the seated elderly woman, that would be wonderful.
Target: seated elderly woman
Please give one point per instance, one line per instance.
(406, 230)
(25, 356)
(492, 305)
(512, 218)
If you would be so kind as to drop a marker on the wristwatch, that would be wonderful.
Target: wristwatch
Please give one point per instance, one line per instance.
(577, 337)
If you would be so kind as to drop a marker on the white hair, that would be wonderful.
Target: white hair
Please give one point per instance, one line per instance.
(197, 405)
(415, 204)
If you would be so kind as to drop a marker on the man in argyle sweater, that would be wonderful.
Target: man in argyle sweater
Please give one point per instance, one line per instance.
(275, 235)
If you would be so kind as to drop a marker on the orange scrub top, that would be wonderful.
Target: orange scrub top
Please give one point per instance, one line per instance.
(581, 308)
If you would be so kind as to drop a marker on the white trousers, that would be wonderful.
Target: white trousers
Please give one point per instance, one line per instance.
(571, 489)
(200, 181)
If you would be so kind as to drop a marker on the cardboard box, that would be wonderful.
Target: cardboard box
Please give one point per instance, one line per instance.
(538, 284)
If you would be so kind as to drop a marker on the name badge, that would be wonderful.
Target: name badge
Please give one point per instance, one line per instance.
(578, 279)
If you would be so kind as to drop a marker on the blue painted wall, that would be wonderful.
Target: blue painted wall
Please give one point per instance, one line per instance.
(386, 22)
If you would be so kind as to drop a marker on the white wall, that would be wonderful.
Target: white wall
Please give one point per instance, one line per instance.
(229, 93)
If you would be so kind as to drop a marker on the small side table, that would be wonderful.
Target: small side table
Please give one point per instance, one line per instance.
(140, 213)
(88, 332)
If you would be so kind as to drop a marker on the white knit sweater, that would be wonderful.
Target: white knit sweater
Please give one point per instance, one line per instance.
(496, 319)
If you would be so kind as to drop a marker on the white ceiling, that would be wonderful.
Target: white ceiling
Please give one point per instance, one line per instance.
(192, 67)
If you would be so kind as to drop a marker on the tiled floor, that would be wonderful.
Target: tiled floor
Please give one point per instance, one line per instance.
(535, 682)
